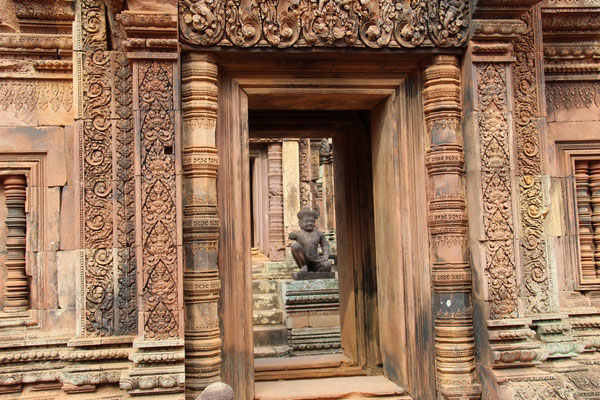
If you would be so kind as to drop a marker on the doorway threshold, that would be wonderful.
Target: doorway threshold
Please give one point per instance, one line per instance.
(305, 367)
(355, 387)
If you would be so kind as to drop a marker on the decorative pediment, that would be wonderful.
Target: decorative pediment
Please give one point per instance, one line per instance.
(325, 23)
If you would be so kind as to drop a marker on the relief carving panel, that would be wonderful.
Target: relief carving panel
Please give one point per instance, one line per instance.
(324, 23)
(158, 211)
(125, 197)
(568, 95)
(97, 218)
(496, 186)
(529, 159)
(107, 204)
(27, 95)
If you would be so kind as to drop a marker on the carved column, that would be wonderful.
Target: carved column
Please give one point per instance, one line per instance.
(276, 227)
(584, 217)
(594, 186)
(451, 274)
(200, 223)
(16, 284)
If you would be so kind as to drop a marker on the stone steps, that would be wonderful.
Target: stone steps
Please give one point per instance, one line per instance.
(272, 351)
(264, 286)
(268, 317)
(270, 335)
(269, 301)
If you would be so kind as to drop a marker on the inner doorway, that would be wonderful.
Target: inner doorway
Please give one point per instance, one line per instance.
(385, 304)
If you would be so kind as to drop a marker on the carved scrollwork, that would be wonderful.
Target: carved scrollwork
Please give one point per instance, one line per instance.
(325, 23)
(529, 156)
(448, 22)
(202, 21)
(281, 23)
(244, 26)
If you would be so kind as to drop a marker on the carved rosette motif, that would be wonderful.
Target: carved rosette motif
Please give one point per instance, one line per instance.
(325, 23)
(496, 190)
(276, 225)
(158, 208)
(531, 198)
(200, 223)
(451, 273)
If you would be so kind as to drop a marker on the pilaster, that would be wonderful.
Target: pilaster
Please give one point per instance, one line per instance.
(158, 350)
(450, 270)
(514, 294)
(200, 223)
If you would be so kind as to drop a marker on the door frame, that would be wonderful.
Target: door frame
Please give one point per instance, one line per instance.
(325, 82)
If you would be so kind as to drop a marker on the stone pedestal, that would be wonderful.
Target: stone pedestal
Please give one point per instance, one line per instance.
(313, 320)
(308, 275)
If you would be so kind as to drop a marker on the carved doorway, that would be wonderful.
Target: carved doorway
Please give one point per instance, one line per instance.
(379, 170)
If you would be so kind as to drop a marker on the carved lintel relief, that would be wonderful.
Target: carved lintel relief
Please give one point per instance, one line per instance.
(324, 23)
(201, 223)
(497, 190)
(532, 200)
(451, 273)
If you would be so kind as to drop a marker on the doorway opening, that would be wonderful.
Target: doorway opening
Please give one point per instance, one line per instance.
(374, 125)
(295, 313)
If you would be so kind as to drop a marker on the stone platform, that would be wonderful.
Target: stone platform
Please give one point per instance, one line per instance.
(355, 387)
(312, 316)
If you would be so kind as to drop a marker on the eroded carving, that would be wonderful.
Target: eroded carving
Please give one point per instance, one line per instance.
(276, 225)
(20, 95)
(200, 223)
(568, 95)
(97, 218)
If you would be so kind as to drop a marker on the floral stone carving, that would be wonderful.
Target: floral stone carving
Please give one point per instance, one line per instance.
(322, 23)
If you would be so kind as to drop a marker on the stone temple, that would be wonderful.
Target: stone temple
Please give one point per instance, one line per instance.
(154, 156)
